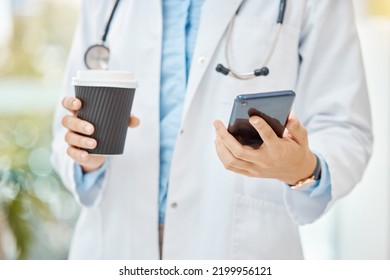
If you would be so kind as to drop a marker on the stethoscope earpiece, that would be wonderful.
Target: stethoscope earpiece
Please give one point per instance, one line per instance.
(264, 71)
(261, 72)
(222, 69)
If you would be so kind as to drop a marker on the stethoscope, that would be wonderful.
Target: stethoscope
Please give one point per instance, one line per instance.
(98, 55)
(263, 71)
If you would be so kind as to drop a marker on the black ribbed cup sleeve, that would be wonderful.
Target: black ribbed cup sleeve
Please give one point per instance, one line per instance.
(108, 109)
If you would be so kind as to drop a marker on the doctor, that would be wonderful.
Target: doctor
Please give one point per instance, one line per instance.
(184, 187)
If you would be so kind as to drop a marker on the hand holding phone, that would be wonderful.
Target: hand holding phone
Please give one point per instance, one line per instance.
(288, 159)
(273, 107)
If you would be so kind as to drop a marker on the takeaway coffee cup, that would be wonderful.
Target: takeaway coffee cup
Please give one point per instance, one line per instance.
(107, 97)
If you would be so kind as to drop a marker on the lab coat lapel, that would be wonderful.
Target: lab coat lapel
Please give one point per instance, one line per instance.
(215, 18)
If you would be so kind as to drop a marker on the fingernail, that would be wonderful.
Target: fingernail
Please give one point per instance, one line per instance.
(83, 155)
(254, 120)
(91, 143)
(74, 103)
(217, 125)
(88, 128)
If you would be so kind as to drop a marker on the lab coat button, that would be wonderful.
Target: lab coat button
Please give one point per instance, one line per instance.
(201, 60)
(174, 205)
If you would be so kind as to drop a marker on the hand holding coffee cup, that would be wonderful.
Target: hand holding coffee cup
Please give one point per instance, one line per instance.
(77, 143)
(100, 116)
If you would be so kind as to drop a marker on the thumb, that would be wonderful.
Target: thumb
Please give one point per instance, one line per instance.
(134, 121)
(296, 130)
(263, 128)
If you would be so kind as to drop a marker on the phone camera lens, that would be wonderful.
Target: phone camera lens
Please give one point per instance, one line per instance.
(244, 103)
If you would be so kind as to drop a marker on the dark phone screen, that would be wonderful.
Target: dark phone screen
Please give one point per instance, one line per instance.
(273, 107)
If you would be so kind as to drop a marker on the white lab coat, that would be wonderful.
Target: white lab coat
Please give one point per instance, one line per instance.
(220, 214)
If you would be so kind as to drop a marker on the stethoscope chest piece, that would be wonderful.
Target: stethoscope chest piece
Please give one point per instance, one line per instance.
(97, 57)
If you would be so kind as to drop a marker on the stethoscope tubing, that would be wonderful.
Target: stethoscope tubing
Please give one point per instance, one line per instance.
(229, 71)
(282, 11)
(249, 75)
(108, 25)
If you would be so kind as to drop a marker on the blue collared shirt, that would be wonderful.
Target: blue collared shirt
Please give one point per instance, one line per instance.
(180, 27)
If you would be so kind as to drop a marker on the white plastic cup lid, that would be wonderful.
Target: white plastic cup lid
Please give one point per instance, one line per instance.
(105, 78)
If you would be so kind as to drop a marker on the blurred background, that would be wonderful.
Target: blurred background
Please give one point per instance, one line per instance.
(37, 214)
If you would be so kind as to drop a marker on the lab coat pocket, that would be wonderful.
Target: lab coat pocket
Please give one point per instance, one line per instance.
(263, 230)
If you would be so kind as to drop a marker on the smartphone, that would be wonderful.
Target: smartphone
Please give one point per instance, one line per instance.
(273, 107)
